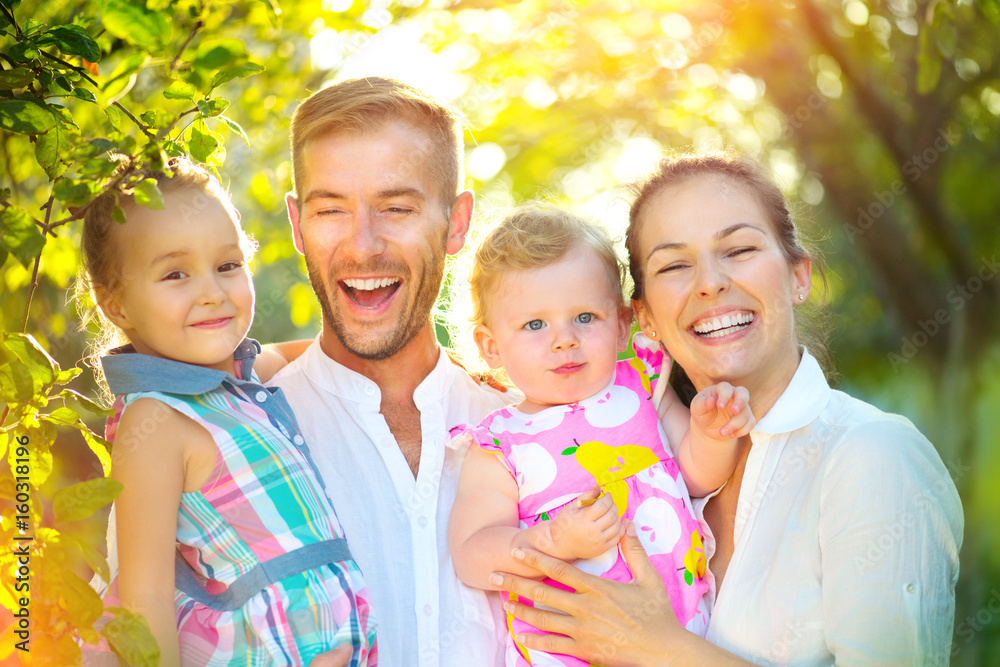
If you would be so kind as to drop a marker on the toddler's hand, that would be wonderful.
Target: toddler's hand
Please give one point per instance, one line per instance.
(587, 527)
(722, 412)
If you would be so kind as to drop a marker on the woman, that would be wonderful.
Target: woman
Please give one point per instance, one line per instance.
(836, 539)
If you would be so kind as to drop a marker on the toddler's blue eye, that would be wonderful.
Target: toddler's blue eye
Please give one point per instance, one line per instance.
(534, 325)
(585, 318)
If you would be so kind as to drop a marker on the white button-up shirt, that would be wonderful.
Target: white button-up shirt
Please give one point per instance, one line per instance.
(397, 526)
(847, 534)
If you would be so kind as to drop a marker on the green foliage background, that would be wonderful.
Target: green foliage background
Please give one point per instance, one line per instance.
(880, 118)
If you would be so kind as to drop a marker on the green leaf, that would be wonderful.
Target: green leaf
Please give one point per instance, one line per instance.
(19, 77)
(129, 637)
(218, 53)
(688, 578)
(98, 445)
(52, 151)
(148, 194)
(118, 215)
(17, 384)
(84, 498)
(115, 117)
(89, 404)
(227, 75)
(25, 117)
(20, 236)
(158, 118)
(134, 24)
(84, 94)
(42, 366)
(63, 416)
(83, 604)
(946, 37)
(212, 107)
(544, 516)
(235, 127)
(92, 556)
(991, 8)
(3, 256)
(569, 451)
(203, 142)
(74, 41)
(73, 192)
(180, 90)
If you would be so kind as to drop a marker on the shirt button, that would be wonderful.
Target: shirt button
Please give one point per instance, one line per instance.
(910, 588)
(298, 440)
(422, 521)
(427, 610)
(261, 396)
(370, 390)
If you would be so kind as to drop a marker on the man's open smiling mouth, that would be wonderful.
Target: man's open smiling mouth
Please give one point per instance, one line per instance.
(369, 292)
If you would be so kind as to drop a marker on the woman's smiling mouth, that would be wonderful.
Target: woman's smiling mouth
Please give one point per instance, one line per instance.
(716, 327)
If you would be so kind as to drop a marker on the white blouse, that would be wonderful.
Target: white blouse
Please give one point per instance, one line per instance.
(847, 533)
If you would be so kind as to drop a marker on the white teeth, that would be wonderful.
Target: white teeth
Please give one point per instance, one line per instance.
(716, 326)
(370, 283)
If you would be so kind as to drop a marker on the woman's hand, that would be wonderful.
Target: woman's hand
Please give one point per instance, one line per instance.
(605, 622)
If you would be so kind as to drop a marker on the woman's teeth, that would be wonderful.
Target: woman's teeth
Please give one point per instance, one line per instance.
(721, 326)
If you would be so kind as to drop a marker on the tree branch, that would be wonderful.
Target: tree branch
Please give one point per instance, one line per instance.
(900, 142)
(197, 28)
(138, 123)
(79, 70)
(13, 21)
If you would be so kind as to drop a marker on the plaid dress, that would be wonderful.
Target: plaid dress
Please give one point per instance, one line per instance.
(264, 576)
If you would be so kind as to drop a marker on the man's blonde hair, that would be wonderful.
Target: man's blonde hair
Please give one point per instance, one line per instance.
(359, 106)
(534, 236)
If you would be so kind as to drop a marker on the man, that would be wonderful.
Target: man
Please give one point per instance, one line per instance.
(377, 168)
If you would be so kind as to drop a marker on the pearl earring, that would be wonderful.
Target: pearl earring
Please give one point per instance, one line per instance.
(802, 297)
(652, 334)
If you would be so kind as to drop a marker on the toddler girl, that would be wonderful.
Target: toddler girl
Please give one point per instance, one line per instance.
(549, 309)
(227, 542)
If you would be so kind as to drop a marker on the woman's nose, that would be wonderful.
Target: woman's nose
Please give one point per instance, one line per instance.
(710, 279)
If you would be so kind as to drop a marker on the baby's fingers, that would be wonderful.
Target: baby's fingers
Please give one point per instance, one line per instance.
(739, 425)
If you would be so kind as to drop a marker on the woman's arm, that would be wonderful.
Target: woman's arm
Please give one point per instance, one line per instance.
(889, 534)
(150, 459)
(483, 527)
(607, 622)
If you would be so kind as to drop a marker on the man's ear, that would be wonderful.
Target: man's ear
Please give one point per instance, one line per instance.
(293, 216)
(460, 218)
(487, 345)
(110, 304)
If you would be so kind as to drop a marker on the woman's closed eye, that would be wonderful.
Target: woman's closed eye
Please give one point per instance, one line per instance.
(742, 250)
(534, 325)
(673, 266)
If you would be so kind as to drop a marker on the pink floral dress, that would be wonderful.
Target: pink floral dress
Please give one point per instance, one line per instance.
(614, 439)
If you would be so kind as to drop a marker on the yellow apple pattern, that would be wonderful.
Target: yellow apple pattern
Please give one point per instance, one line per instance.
(611, 465)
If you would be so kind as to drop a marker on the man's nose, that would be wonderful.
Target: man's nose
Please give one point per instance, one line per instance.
(366, 238)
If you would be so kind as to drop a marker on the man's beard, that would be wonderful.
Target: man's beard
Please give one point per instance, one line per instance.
(423, 290)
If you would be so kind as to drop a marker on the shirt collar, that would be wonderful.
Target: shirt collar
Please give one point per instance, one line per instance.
(801, 402)
(128, 371)
(353, 386)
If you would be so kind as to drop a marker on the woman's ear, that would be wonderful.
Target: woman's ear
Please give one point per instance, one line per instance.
(642, 315)
(487, 345)
(803, 280)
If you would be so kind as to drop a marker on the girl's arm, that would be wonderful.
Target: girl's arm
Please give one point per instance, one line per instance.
(707, 434)
(152, 457)
(483, 528)
(275, 356)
